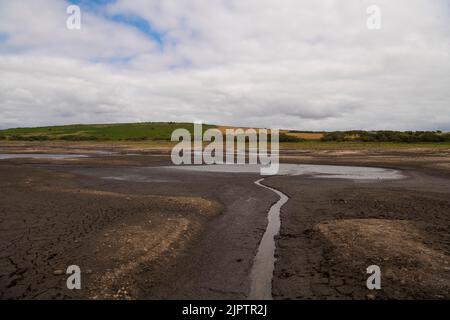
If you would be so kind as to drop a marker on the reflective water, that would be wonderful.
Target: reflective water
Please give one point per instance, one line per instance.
(318, 171)
(264, 263)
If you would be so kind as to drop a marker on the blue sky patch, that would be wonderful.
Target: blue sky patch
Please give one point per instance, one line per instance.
(137, 22)
(141, 24)
(3, 37)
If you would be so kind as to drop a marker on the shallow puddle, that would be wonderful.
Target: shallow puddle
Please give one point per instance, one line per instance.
(137, 178)
(317, 171)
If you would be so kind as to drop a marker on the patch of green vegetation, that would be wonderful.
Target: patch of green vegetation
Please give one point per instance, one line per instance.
(161, 132)
(154, 131)
(387, 136)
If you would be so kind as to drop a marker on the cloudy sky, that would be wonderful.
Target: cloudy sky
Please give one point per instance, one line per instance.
(298, 64)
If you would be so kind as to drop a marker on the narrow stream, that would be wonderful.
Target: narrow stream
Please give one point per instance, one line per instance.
(264, 263)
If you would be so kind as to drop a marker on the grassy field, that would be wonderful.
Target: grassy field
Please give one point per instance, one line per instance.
(153, 131)
(156, 131)
(158, 134)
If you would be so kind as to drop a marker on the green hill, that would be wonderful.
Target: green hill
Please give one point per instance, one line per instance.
(102, 132)
(162, 131)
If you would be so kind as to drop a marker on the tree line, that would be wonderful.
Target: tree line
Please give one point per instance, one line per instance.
(387, 136)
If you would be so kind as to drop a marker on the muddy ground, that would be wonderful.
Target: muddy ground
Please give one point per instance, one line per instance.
(140, 233)
(168, 236)
(333, 230)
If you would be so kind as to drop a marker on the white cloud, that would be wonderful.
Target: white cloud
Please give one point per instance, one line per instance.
(296, 64)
